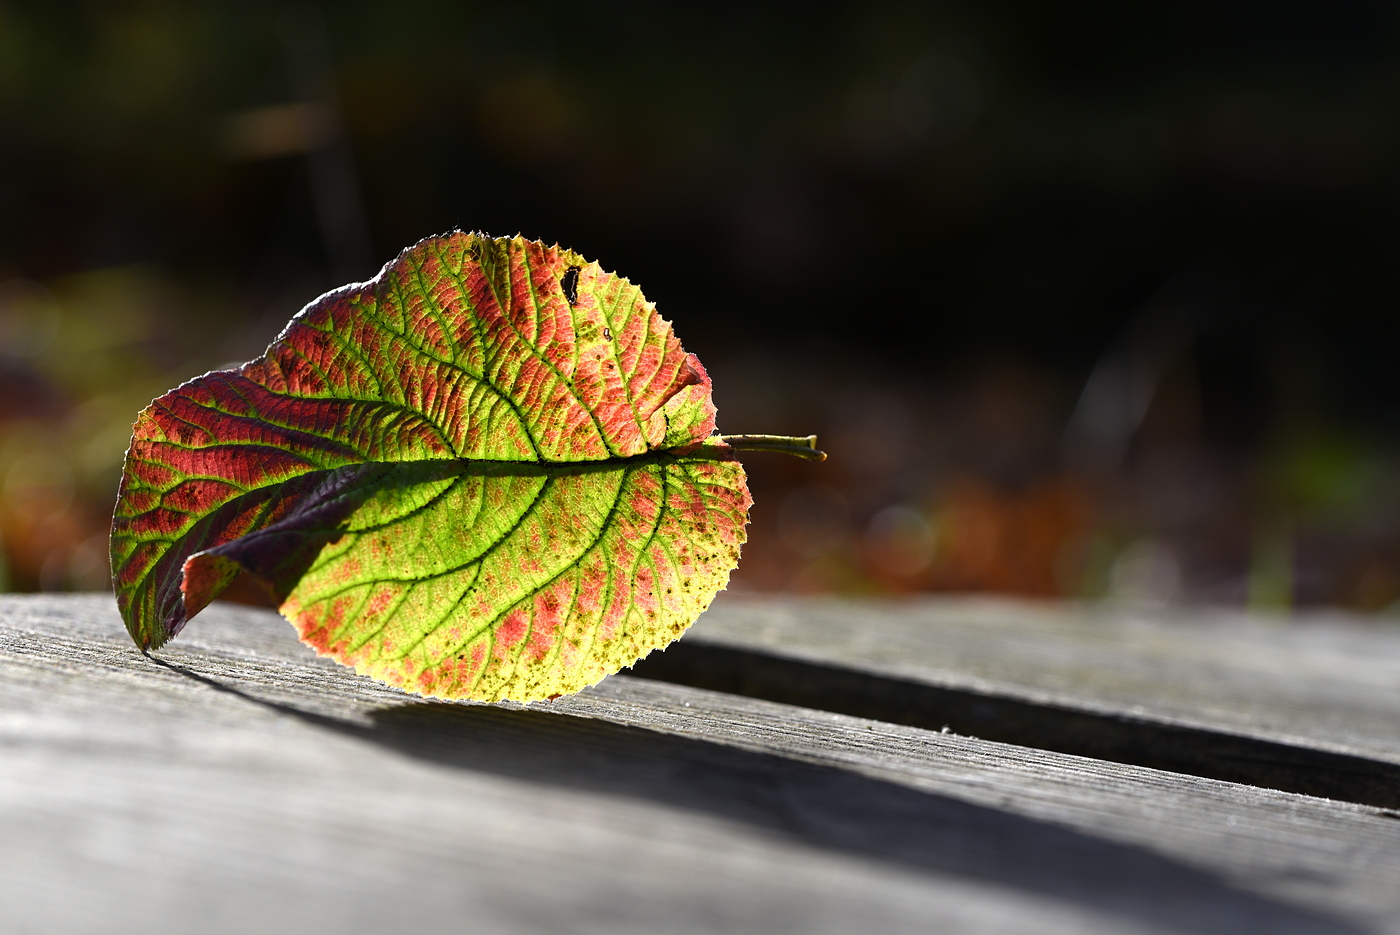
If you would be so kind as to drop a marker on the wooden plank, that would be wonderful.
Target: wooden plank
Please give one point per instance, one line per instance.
(1329, 681)
(240, 782)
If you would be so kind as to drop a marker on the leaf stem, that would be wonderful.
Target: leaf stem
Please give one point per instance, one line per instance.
(801, 447)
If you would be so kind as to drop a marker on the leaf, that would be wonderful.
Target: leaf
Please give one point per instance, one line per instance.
(487, 473)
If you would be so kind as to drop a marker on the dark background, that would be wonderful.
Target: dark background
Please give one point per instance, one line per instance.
(1084, 298)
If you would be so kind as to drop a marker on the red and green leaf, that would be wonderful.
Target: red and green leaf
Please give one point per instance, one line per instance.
(487, 473)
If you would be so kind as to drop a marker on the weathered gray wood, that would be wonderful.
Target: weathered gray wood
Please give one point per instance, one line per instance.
(1329, 681)
(240, 783)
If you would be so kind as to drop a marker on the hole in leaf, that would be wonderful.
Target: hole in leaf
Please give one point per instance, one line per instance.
(569, 283)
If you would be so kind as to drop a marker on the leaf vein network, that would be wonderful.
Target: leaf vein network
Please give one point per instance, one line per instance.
(624, 376)
(565, 382)
(490, 550)
(608, 588)
(571, 566)
(477, 559)
(320, 371)
(485, 353)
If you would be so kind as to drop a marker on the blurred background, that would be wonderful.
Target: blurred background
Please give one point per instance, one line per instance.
(1085, 299)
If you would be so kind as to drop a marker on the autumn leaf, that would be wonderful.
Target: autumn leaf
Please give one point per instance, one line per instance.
(490, 472)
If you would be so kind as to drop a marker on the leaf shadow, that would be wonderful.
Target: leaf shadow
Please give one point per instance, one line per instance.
(823, 807)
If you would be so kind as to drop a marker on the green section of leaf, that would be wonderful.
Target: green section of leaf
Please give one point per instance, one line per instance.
(498, 580)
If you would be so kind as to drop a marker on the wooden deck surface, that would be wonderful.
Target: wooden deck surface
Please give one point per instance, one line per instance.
(236, 782)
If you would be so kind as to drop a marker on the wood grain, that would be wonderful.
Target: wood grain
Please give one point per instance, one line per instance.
(1325, 680)
(239, 782)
